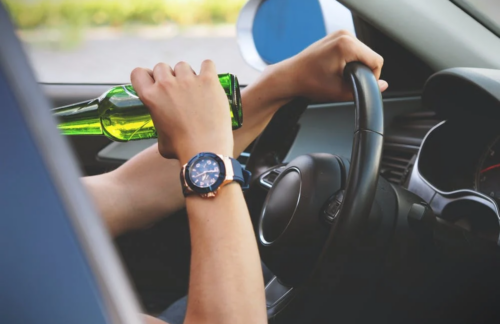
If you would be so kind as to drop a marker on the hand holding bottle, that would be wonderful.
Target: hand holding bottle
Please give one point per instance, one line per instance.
(120, 115)
(189, 111)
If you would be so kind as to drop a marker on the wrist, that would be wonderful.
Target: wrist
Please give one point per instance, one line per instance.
(191, 150)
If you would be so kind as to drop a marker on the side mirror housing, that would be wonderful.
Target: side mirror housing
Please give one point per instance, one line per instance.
(270, 31)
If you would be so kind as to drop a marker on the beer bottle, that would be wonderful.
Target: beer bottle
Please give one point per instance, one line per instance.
(120, 115)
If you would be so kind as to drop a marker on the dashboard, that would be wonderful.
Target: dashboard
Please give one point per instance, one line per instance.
(463, 154)
(457, 173)
(457, 170)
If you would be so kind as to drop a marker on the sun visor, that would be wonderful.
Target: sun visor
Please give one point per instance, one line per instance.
(463, 91)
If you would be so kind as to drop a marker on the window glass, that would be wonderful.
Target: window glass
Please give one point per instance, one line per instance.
(101, 41)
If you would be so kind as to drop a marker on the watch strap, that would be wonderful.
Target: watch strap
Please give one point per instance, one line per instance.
(241, 175)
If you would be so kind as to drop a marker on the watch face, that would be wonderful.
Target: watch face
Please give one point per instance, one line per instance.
(204, 172)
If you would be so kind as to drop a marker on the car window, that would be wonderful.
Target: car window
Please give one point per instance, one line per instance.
(101, 41)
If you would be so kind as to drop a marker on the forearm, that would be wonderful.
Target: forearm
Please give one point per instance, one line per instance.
(260, 101)
(106, 195)
(226, 280)
(137, 194)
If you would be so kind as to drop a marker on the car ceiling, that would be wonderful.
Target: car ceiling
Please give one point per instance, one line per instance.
(443, 36)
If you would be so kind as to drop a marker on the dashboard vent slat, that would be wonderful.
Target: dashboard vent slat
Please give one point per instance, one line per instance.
(395, 164)
(402, 142)
(401, 165)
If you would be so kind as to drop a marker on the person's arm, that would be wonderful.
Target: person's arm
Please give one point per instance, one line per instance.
(141, 192)
(226, 284)
(226, 281)
(145, 188)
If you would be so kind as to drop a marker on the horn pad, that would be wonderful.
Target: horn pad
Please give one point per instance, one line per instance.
(291, 229)
(281, 205)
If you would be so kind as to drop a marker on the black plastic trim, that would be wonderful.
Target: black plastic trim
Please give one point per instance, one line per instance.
(452, 92)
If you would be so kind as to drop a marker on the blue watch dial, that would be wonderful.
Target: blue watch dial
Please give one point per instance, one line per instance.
(204, 172)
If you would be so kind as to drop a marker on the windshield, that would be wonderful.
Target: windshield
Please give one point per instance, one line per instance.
(101, 41)
(485, 11)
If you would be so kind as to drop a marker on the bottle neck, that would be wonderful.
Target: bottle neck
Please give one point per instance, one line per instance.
(79, 119)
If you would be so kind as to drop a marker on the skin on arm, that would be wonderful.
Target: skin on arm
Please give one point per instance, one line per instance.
(142, 191)
(152, 320)
(226, 284)
(137, 194)
(315, 73)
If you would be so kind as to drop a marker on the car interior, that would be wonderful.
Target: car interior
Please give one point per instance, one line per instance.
(427, 249)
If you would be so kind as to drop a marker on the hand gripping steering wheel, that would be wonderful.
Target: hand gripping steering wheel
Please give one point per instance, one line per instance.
(315, 220)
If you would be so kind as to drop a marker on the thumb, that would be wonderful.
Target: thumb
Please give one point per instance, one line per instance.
(383, 85)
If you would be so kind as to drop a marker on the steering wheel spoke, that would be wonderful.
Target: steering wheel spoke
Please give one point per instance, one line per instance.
(268, 178)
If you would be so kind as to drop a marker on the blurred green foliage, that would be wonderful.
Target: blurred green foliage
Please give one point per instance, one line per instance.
(75, 14)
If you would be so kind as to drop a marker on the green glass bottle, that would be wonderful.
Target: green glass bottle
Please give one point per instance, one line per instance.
(120, 115)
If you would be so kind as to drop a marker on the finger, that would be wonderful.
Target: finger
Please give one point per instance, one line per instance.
(367, 56)
(383, 85)
(150, 72)
(141, 79)
(208, 68)
(351, 49)
(339, 33)
(162, 72)
(182, 70)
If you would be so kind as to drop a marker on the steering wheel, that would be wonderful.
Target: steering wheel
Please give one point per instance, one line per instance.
(315, 219)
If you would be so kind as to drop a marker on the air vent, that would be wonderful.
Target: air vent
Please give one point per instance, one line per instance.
(397, 162)
(402, 142)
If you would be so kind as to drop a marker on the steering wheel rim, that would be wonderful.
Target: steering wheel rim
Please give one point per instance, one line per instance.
(366, 152)
(340, 249)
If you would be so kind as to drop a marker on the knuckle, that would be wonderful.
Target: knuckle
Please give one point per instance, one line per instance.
(208, 62)
(159, 66)
(342, 32)
(181, 64)
(380, 60)
(344, 43)
(160, 69)
(134, 72)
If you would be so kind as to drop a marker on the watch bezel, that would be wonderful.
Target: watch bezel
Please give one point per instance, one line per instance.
(220, 179)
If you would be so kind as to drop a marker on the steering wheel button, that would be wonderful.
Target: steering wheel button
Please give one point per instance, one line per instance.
(333, 208)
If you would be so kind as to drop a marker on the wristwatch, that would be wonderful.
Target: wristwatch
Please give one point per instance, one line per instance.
(207, 172)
